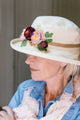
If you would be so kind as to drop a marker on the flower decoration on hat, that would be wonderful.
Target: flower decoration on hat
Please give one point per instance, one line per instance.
(28, 33)
(36, 37)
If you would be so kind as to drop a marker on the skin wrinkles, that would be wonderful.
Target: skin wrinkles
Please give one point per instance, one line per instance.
(50, 71)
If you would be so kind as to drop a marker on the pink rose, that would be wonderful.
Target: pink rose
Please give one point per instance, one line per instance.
(37, 37)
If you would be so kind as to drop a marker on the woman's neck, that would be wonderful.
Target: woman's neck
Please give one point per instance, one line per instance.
(54, 88)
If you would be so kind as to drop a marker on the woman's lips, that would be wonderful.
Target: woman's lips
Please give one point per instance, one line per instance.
(32, 69)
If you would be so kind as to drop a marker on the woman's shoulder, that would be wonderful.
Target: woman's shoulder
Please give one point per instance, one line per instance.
(27, 83)
(18, 96)
(23, 86)
(74, 111)
(31, 83)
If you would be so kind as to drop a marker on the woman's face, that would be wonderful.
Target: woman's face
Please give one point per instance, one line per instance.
(41, 68)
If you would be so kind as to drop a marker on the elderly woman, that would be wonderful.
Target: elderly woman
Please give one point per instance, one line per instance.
(53, 47)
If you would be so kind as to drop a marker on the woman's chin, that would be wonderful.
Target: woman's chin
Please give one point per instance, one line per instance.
(36, 78)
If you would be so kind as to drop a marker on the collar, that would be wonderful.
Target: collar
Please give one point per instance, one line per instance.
(39, 90)
(69, 88)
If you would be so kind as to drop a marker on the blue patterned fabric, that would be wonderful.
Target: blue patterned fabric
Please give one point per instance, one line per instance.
(38, 92)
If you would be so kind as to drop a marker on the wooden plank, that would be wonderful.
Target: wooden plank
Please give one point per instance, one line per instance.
(6, 54)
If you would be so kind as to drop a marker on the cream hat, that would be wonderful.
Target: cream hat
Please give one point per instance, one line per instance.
(50, 37)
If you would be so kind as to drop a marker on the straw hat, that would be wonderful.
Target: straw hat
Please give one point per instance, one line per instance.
(50, 37)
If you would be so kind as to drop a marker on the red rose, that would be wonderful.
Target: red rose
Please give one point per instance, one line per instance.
(28, 32)
(44, 44)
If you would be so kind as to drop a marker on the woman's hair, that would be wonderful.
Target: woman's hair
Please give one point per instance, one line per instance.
(71, 70)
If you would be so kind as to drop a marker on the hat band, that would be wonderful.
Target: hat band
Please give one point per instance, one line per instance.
(64, 45)
(56, 44)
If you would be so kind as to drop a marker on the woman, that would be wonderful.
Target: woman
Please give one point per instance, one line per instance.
(53, 45)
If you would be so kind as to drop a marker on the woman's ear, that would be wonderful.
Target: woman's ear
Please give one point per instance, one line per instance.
(63, 65)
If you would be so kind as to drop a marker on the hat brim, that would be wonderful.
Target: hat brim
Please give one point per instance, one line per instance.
(28, 49)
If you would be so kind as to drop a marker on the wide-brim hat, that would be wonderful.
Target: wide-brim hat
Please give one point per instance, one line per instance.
(50, 37)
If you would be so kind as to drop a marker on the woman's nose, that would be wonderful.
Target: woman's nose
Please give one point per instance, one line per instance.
(30, 59)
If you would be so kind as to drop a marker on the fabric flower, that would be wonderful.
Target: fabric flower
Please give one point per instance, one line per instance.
(28, 32)
(37, 37)
(44, 44)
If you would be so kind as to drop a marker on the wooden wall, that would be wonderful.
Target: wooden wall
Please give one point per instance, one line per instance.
(6, 54)
(14, 16)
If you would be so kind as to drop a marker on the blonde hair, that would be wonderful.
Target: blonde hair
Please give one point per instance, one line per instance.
(71, 70)
(74, 72)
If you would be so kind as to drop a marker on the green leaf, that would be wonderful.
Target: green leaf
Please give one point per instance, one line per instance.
(51, 34)
(24, 43)
(47, 34)
(48, 40)
(45, 49)
(40, 48)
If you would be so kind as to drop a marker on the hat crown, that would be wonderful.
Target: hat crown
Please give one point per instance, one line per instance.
(53, 21)
(64, 30)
